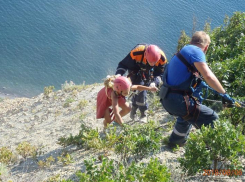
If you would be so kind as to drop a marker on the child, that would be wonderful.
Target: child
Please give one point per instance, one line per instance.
(113, 94)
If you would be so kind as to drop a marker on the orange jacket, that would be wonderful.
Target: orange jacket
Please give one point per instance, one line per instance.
(138, 52)
(135, 61)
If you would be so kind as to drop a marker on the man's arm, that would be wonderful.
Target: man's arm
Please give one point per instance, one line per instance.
(209, 77)
(124, 65)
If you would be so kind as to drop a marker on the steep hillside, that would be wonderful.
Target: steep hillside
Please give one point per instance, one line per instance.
(42, 120)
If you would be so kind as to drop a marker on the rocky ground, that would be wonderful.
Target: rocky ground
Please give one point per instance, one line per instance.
(42, 120)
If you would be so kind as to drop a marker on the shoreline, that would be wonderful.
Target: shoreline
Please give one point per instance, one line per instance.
(9, 96)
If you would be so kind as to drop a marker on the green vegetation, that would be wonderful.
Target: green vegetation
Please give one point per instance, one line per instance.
(113, 171)
(6, 155)
(25, 149)
(83, 103)
(68, 101)
(220, 147)
(137, 141)
(48, 90)
(46, 163)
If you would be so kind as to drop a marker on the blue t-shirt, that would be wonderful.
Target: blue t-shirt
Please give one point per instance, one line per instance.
(177, 71)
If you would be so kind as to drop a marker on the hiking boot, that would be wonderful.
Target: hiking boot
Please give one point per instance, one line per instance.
(133, 113)
(143, 119)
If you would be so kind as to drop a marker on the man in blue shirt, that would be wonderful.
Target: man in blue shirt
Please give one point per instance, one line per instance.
(180, 79)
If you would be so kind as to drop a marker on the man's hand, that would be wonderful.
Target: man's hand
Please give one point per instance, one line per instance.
(226, 99)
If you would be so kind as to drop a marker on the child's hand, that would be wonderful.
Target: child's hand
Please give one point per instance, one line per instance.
(153, 89)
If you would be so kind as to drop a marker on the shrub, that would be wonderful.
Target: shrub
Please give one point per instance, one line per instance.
(112, 171)
(83, 103)
(65, 159)
(67, 102)
(48, 90)
(6, 155)
(25, 149)
(139, 141)
(46, 163)
(213, 148)
(87, 137)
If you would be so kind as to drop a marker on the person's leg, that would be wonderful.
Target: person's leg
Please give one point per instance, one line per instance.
(143, 105)
(182, 128)
(175, 105)
(206, 117)
(134, 108)
(180, 132)
(107, 117)
(125, 108)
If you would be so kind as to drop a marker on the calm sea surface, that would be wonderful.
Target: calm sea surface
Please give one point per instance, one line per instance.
(47, 42)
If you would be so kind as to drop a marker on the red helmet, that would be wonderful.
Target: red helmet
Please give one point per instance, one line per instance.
(121, 83)
(152, 54)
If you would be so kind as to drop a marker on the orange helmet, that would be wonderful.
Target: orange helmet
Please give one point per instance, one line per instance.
(121, 83)
(152, 54)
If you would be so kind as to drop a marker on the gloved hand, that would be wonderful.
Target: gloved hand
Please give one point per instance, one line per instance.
(203, 84)
(226, 99)
(158, 81)
(198, 91)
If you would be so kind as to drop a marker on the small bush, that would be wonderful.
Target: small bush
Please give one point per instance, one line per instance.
(48, 90)
(214, 148)
(25, 149)
(87, 137)
(46, 163)
(6, 155)
(83, 103)
(113, 171)
(139, 141)
(65, 159)
(67, 102)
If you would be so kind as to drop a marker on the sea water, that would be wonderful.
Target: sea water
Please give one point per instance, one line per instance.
(47, 42)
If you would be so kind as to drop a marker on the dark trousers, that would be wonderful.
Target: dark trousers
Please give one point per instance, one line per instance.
(139, 100)
(175, 104)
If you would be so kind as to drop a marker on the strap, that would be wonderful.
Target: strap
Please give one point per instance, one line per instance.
(138, 53)
(182, 92)
(131, 74)
(194, 113)
(188, 65)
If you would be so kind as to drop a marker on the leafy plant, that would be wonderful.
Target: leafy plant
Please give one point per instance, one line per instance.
(83, 103)
(87, 138)
(213, 148)
(65, 159)
(67, 102)
(183, 40)
(113, 171)
(56, 178)
(70, 86)
(48, 90)
(25, 149)
(139, 141)
(236, 116)
(46, 163)
(6, 155)
(3, 172)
